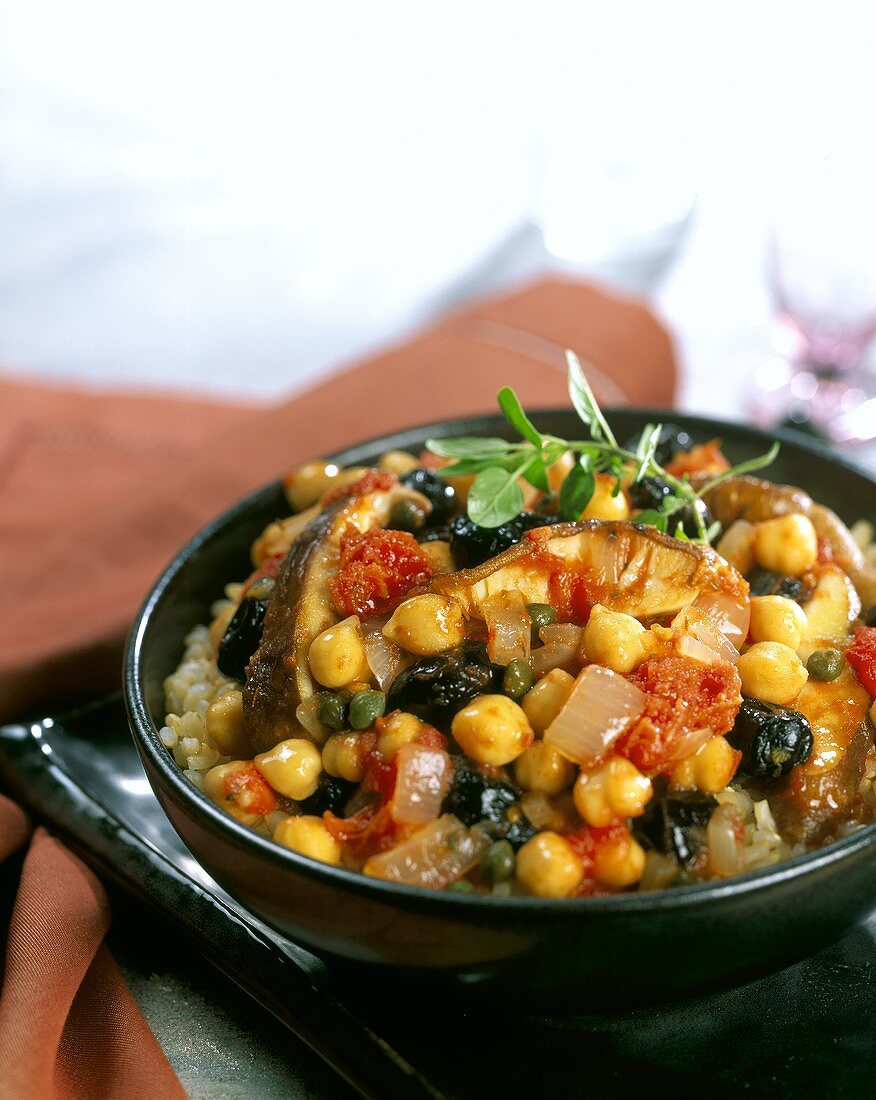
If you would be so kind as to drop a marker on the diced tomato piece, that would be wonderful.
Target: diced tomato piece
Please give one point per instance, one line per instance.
(681, 695)
(370, 482)
(249, 791)
(370, 830)
(861, 655)
(706, 458)
(430, 738)
(377, 569)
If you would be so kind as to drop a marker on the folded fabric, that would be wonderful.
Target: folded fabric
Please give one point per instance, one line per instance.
(97, 491)
(69, 1027)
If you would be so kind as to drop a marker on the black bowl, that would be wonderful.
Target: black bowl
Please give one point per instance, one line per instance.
(590, 951)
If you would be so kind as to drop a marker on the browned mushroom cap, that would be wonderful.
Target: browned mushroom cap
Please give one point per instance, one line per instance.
(626, 566)
(278, 675)
(754, 499)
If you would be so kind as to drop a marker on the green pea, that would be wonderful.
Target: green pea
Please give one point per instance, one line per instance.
(407, 515)
(518, 679)
(365, 706)
(542, 614)
(825, 664)
(332, 711)
(461, 887)
(498, 862)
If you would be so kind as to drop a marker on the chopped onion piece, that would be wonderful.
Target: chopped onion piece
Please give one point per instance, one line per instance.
(538, 809)
(385, 658)
(422, 779)
(305, 715)
(688, 743)
(508, 627)
(598, 710)
(696, 650)
(723, 836)
(731, 616)
(563, 643)
(438, 854)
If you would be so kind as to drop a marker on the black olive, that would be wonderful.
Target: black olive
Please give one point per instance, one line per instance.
(675, 823)
(471, 544)
(870, 616)
(772, 739)
(650, 492)
(435, 489)
(330, 794)
(241, 638)
(447, 681)
(477, 798)
(765, 583)
(672, 440)
(434, 534)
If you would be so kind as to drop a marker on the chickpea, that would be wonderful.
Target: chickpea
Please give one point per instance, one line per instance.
(548, 867)
(239, 788)
(309, 836)
(613, 639)
(776, 619)
(439, 555)
(342, 757)
(337, 655)
(398, 462)
(772, 672)
(619, 860)
(292, 767)
(544, 702)
(492, 729)
(714, 765)
(736, 546)
(397, 729)
(786, 544)
(603, 505)
(614, 789)
(224, 724)
(306, 484)
(542, 768)
(427, 624)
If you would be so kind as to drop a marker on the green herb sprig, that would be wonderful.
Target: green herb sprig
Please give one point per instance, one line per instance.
(496, 496)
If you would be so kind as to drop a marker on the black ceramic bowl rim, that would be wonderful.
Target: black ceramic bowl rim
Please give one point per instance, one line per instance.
(146, 732)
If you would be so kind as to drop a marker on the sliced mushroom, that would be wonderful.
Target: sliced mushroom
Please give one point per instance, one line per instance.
(625, 566)
(754, 499)
(278, 676)
(821, 794)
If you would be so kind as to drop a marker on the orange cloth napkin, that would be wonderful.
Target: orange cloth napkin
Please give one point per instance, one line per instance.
(69, 1027)
(98, 490)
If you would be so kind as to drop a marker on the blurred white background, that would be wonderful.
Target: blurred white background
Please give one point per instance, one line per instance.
(239, 197)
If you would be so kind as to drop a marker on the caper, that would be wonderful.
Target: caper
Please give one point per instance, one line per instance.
(460, 887)
(497, 863)
(332, 711)
(542, 614)
(407, 515)
(365, 706)
(825, 664)
(518, 679)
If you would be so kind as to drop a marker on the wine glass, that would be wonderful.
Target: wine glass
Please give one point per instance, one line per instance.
(821, 274)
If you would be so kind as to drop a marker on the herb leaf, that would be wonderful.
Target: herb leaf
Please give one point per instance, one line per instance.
(469, 447)
(495, 497)
(516, 417)
(585, 402)
(576, 492)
